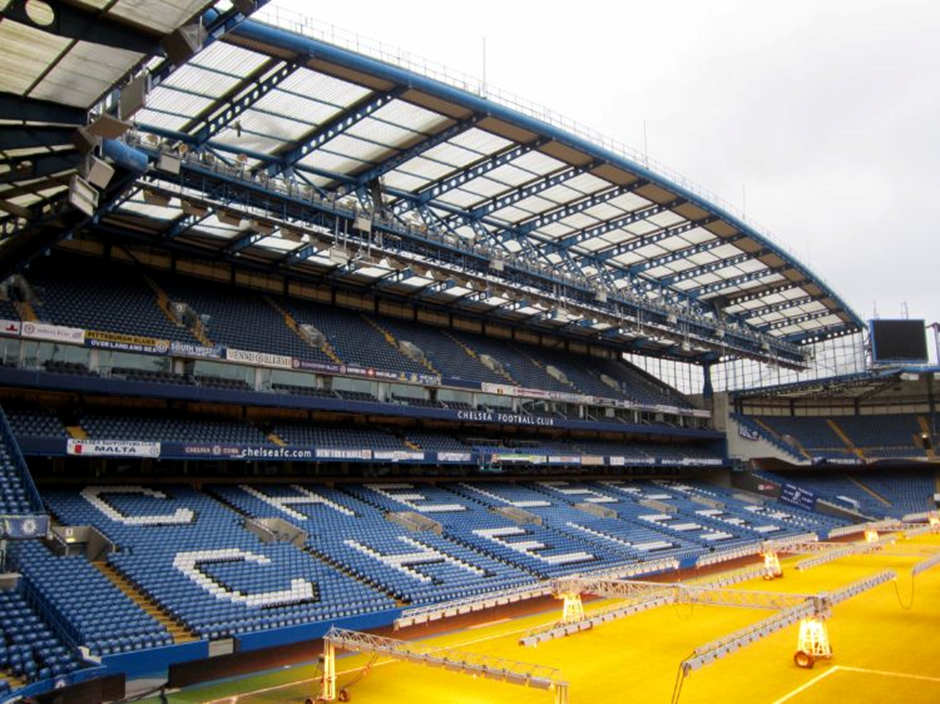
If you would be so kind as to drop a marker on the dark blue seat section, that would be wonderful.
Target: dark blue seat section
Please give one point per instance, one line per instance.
(84, 293)
(519, 365)
(110, 296)
(29, 647)
(352, 338)
(239, 317)
(15, 494)
(445, 355)
(194, 557)
(162, 429)
(636, 385)
(101, 616)
(814, 434)
(883, 436)
(337, 436)
(8, 310)
(906, 491)
(436, 441)
(31, 422)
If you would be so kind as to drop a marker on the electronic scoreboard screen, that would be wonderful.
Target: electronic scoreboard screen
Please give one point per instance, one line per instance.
(898, 341)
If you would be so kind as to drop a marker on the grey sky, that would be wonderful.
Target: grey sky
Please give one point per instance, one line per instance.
(828, 111)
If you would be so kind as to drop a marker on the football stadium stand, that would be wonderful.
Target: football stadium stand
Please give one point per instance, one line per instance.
(296, 336)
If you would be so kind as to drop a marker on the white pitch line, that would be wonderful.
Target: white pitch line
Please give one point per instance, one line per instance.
(885, 673)
(807, 685)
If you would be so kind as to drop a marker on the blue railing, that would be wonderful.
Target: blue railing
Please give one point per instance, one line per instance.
(6, 432)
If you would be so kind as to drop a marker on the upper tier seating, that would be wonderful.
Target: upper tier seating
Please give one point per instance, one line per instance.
(76, 293)
(110, 296)
(883, 436)
(521, 366)
(353, 339)
(239, 318)
(445, 355)
(638, 386)
(814, 434)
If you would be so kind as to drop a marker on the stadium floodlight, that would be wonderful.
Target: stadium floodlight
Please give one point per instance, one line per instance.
(154, 198)
(170, 163)
(82, 195)
(193, 209)
(229, 218)
(98, 173)
(108, 127)
(292, 235)
(262, 228)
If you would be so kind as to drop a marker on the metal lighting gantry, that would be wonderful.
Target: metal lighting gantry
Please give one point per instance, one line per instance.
(475, 664)
(459, 607)
(810, 610)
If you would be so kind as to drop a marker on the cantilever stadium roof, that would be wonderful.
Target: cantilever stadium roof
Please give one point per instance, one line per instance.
(526, 207)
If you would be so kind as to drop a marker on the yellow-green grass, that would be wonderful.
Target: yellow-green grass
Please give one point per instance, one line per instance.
(882, 652)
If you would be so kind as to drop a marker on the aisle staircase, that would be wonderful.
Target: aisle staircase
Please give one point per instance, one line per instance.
(845, 438)
(178, 631)
(392, 342)
(163, 301)
(472, 353)
(291, 322)
(868, 490)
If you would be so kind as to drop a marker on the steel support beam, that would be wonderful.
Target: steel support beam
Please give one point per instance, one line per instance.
(464, 175)
(13, 107)
(805, 318)
(355, 114)
(528, 190)
(33, 137)
(577, 206)
(226, 110)
(777, 307)
(28, 168)
(409, 153)
(630, 218)
(687, 274)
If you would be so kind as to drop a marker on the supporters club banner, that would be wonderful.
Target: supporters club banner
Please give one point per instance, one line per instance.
(260, 359)
(125, 343)
(53, 333)
(397, 456)
(186, 349)
(112, 448)
(453, 456)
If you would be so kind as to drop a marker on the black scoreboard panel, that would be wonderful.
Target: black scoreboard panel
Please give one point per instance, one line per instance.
(898, 340)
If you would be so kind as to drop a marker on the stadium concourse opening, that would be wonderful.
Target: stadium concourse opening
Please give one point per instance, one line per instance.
(306, 351)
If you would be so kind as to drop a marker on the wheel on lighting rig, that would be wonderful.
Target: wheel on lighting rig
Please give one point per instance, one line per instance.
(804, 659)
(344, 695)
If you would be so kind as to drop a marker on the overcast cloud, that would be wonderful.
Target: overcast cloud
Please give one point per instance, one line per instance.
(828, 111)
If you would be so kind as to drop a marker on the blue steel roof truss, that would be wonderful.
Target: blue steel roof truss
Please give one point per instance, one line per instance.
(633, 292)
